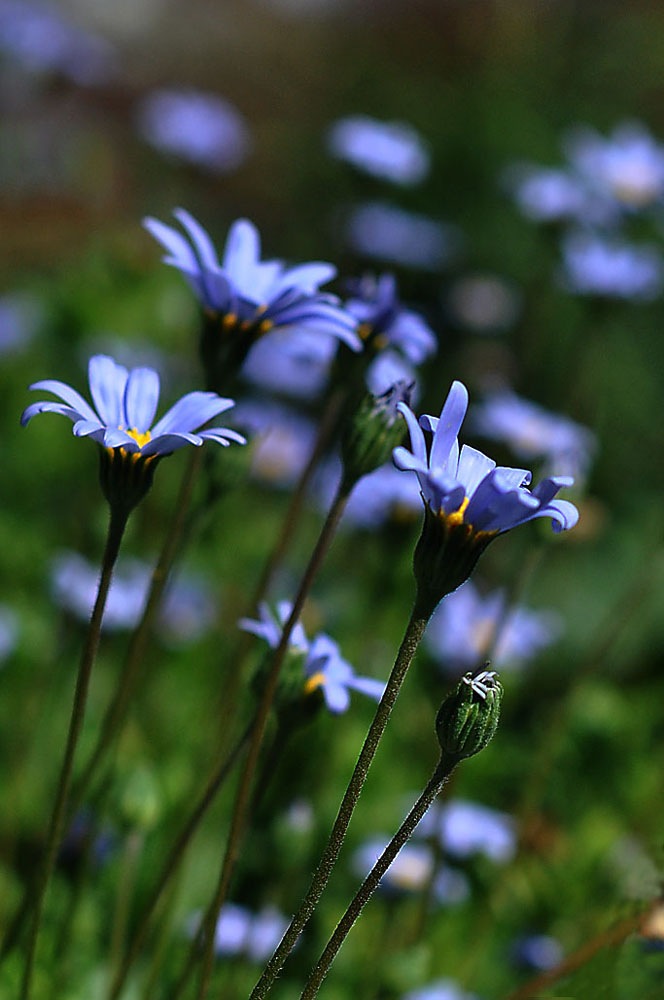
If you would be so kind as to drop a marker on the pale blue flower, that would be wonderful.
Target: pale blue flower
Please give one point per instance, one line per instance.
(393, 151)
(9, 630)
(324, 668)
(282, 440)
(126, 403)
(611, 268)
(464, 487)
(533, 432)
(381, 496)
(628, 165)
(248, 294)
(538, 952)
(385, 322)
(441, 989)
(200, 127)
(463, 629)
(411, 871)
(547, 194)
(20, 316)
(384, 232)
(242, 932)
(296, 364)
(467, 828)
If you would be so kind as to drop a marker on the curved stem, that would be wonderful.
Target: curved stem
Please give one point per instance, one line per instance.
(242, 799)
(364, 893)
(117, 709)
(116, 528)
(413, 634)
(174, 859)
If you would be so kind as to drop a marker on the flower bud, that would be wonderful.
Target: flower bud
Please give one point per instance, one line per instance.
(468, 717)
(372, 432)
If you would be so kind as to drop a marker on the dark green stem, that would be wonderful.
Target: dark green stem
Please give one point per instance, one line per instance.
(409, 644)
(174, 859)
(116, 528)
(370, 883)
(117, 709)
(241, 805)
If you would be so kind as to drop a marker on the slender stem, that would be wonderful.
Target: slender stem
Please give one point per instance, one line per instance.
(242, 799)
(409, 644)
(364, 893)
(116, 528)
(117, 709)
(174, 860)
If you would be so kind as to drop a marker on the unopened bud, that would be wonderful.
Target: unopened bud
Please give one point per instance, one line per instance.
(468, 717)
(373, 431)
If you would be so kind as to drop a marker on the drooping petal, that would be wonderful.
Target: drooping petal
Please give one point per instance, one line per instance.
(307, 277)
(107, 385)
(83, 428)
(166, 444)
(515, 477)
(223, 435)
(68, 395)
(449, 424)
(191, 412)
(367, 685)
(417, 443)
(547, 489)
(115, 438)
(141, 398)
(203, 246)
(48, 406)
(563, 514)
(496, 506)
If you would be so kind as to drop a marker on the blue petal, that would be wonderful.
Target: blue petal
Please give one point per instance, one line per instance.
(48, 407)
(547, 489)
(166, 444)
(307, 277)
(242, 252)
(337, 698)
(449, 424)
(203, 245)
(181, 253)
(417, 443)
(368, 686)
(83, 428)
(496, 506)
(223, 435)
(141, 398)
(107, 385)
(115, 438)
(515, 477)
(563, 514)
(191, 412)
(68, 395)
(472, 468)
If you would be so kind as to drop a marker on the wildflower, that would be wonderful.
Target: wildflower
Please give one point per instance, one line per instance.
(392, 151)
(20, 317)
(202, 128)
(464, 627)
(126, 403)
(382, 231)
(243, 297)
(296, 364)
(614, 269)
(320, 667)
(628, 166)
(411, 871)
(240, 932)
(441, 989)
(385, 322)
(468, 718)
(546, 194)
(468, 500)
(467, 828)
(533, 432)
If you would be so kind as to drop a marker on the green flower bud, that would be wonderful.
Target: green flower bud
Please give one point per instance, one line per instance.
(468, 717)
(372, 432)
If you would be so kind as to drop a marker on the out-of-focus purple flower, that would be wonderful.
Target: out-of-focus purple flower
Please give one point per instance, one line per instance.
(464, 626)
(411, 870)
(282, 440)
(441, 989)
(83, 839)
(126, 404)
(385, 322)
(188, 610)
(297, 364)
(611, 268)
(628, 166)
(393, 151)
(20, 316)
(324, 668)
(484, 303)
(386, 370)
(200, 127)
(381, 496)
(467, 828)
(9, 630)
(384, 232)
(465, 487)
(41, 40)
(247, 294)
(546, 194)
(241, 932)
(537, 952)
(535, 433)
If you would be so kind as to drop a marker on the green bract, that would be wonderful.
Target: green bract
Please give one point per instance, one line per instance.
(468, 717)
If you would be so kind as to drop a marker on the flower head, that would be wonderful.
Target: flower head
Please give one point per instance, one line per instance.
(468, 499)
(392, 151)
(244, 297)
(613, 269)
(385, 322)
(384, 232)
(321, 666)
(126, 403)
(628, 166)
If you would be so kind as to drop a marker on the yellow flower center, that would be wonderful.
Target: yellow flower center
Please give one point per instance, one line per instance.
(457, 516)
(314, 682)
(139, 438)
